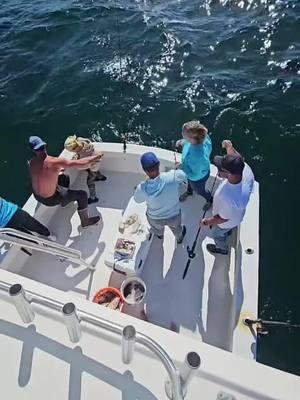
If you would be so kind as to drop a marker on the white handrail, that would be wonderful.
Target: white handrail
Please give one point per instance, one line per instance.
(146, 341)
(33, 242)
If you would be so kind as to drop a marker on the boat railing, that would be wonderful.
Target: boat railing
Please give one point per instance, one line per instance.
(32, 242)
(177, 380)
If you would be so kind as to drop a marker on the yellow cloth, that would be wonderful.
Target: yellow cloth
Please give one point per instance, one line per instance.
(86, 150)
(72, 143)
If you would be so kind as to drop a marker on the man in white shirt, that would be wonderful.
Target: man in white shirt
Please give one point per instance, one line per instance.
(231, 197)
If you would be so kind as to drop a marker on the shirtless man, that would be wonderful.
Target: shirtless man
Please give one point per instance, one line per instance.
(45, 171)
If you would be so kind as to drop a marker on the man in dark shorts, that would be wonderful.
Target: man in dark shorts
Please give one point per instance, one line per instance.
(45, 171)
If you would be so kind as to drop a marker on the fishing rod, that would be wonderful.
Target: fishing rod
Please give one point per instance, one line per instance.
(191, 250)
(262, 325)
(173, 146)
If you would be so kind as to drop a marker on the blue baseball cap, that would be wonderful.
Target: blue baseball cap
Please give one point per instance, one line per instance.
(36, 143)
(149, 160)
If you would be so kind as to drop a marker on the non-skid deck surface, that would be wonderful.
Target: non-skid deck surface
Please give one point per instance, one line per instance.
(199, 305)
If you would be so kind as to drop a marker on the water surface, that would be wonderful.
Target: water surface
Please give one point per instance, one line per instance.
(233, 64)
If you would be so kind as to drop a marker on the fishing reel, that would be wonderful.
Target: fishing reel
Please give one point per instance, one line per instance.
(191, 253)
(258, 324)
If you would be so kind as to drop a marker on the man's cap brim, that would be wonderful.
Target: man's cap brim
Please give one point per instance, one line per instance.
(218, 161)
(39, 146)
(150, 166)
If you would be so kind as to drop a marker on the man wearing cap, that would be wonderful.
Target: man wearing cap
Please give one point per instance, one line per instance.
(161, 193)
(230, 199)
(45, 171)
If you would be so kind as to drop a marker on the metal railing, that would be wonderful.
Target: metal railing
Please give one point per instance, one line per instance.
(175, 385)
(37, 243)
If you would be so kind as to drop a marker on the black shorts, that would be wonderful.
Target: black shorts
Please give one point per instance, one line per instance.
(53, 200)
(65, 198)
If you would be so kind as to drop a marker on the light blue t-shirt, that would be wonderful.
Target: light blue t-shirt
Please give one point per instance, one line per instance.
(195, 159)
(161, 194)
(7, 211)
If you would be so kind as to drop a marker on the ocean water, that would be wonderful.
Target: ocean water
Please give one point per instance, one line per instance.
(105, 68)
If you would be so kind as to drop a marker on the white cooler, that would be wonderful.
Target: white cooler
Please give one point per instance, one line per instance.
(143, 238)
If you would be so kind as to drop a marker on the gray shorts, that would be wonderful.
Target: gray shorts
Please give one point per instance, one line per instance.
(174, 223)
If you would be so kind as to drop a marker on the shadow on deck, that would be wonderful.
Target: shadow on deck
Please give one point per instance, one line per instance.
(201, 305)
(80, 364)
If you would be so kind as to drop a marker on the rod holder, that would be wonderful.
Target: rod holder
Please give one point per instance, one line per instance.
(191, 364)
(72, 322)
(22, 304)
(128, 342)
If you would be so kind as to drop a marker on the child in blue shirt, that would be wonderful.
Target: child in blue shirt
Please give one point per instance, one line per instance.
(196, 150)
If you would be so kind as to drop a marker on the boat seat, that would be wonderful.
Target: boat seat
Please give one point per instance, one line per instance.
(139, 233)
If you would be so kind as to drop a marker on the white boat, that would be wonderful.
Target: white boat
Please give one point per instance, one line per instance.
(194, 343)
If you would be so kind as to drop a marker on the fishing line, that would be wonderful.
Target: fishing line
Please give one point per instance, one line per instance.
(121, 76)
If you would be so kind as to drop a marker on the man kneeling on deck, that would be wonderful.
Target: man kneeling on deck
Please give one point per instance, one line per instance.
(45, 171)
(82, 147)
(231, 197)
(161, 193)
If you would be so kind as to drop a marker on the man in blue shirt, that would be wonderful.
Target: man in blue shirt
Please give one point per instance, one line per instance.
(12, 216)
(161, 193)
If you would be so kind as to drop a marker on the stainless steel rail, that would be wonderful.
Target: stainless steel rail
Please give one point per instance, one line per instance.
(32, 297)
(33, 242)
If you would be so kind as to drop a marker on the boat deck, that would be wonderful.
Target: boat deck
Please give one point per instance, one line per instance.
(93, 367)
(198, 306)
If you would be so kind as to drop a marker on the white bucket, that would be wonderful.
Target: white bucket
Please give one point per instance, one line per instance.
(134, 290)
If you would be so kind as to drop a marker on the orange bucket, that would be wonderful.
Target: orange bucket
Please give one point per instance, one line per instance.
(104, 291)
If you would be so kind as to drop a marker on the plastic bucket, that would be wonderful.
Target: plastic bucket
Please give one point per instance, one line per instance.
(104, 291)
(133, 291)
